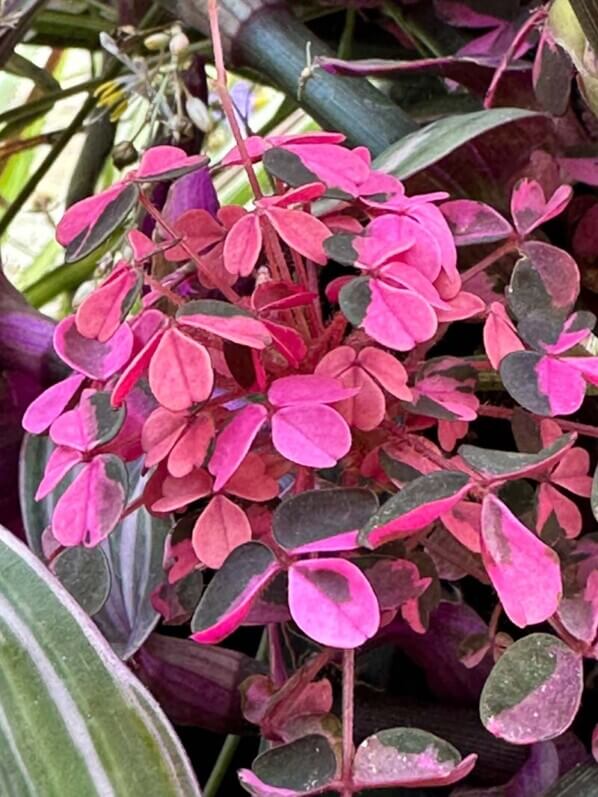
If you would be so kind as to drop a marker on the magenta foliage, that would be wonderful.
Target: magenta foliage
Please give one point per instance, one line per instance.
(301, 443)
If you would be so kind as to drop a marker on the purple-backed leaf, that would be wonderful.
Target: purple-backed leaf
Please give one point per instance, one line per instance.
(307, 389)
(323, 520)
(92, 423)
(506, 464)
(408, 757)
(90, 357)
(226, 321)
(50, 404)
(89, 223)
(60, 462)
(313, 435)
(552, 73)
(234, 441)
(529, 207)
(301, 767)
(180, 372)
(166, 163)
(545, 278)
(333, 602)
(193, 191)
(539, 772)
(524, 571)
(196, 685)
(474, 222)
(91, 506)
(414, 507)
(543, 384)
(230, 594)
(100, 314)
(533, 691)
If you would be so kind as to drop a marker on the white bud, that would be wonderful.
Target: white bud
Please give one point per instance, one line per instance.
(156, 42)
(179, 44)
(198, 112)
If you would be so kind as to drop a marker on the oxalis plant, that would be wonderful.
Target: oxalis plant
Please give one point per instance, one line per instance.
(283, 409)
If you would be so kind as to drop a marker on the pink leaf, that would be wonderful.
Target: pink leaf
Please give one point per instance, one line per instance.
(90, 357)
(234, 441)
(275, 295)
(311, 434)
(100, 314)
(160, 432)
(191, 448)
(131, 374)
(572, 472)
(529, 207)
(91, 506)
(142, 246)
(180, 373)
(83, 214)
(565, 511)
(199, 230)
(337, 361)
(332, 602)
(464, 523)
(387, 370)
(90, 424)
(301, 231)
(251, 480)
(463, 305)
(243, 245)
(50, 404)
(226, 321)
(588, 366)
(221, 527)
(366, 409)
(288, 342)
(164, 160)
(234, 588)
(524, 571)
(59, 463)
(500, 337)
(561, 384)
(474, 222)
(307, 388)
(178, 493)
(398, 318)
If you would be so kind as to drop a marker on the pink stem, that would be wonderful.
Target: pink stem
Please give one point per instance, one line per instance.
(506, 413)
(348, 709)
(486, 262)
(225, 99)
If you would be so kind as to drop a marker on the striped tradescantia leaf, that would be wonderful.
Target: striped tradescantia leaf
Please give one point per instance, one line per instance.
(73, 719)
(134, 552)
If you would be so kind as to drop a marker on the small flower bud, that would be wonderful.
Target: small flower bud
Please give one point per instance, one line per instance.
(198, 112)
(156, 41)
(178, 44)
(124, 154)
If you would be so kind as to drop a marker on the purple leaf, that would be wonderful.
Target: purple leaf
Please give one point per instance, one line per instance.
(332, 602)
(196, 685)
(408, 757)
(230, 594)
(323, 520)
(90, 357)
(524, 571)
(474, 222)
(533, 692)
(507, 464)
(193, 191)
(413, 508)
(91, 506)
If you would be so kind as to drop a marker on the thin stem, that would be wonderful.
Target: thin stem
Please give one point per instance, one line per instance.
(520, 37)
(506, 413)
(225, 99)
(348, 712)
(486, 262)
(225, 289)
(156, 286)
(345, 44)
(223, 762)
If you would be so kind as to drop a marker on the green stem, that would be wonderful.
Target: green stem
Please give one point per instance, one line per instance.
(31, 110)
(223, 762)
(421, 38)
(345, 44)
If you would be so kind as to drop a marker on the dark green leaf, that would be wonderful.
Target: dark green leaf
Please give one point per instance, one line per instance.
(509, 463)
(84, 572)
